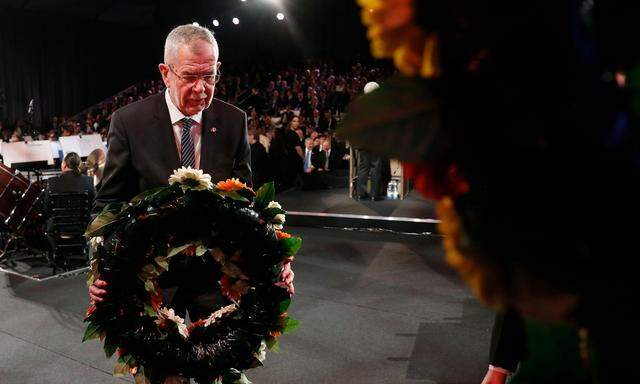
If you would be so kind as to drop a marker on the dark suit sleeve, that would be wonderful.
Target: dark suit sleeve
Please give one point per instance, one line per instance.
(508, 341)
(91, 190)
(242, 161)
(117, 182)
(317, 160)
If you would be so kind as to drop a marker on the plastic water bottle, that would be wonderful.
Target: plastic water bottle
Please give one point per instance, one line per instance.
(392, 190)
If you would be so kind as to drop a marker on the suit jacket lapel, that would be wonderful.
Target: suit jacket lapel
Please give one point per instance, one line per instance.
(208, 148)
(164, 130)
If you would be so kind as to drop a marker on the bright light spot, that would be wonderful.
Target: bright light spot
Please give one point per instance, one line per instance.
(236, 21)
(195, 24)
(243, 0)
(280, 16)
(216, 23)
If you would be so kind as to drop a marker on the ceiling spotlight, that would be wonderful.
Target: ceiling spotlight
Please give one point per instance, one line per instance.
(236, 21)
(280, 16)
(216, 23)
(243, 0)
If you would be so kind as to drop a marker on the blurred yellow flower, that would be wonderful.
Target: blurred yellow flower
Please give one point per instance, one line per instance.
(394, 35)
(486, 279)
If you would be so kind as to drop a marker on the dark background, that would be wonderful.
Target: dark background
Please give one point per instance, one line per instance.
(70, 54)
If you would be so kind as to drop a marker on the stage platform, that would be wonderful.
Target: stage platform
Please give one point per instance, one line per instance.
(334, 208)
(375, 308)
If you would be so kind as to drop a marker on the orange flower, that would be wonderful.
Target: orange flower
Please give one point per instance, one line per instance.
(436, 185)
(156, 300)
(225, 285)
(193, 326)
(394, 35)
(90, 310)
(275, 333)
(190, 250)
(231, 185)
(282, 235)
(233, 289)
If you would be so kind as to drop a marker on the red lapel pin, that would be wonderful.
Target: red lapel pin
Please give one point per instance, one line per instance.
(213, 129)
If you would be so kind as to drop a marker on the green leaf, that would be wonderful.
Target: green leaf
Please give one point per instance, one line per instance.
(291, 245)
(114, 207)
(242, 380)
(273, 344)
(201, 250)
(265, 195)
(146, 194)
(402, 119)
(140, 377)
(109, 347)
(246, 193)
(120, 369)
(234, 195)
(128, 360)
(149, 311)
(162, 262)
(100, 224)
(174, 251)
(149, 287)
(92, 332)
(290, 325)
(235, 377)
(284, 305)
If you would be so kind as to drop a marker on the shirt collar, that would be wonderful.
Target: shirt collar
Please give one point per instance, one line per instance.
(175, 113)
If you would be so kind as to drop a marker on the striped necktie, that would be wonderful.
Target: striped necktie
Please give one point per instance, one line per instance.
(188, 150)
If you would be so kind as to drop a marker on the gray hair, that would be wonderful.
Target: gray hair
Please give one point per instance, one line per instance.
(187, 35)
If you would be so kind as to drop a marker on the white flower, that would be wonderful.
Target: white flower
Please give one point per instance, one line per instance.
(192, 178)
(261, 355)
(219, 313)
(274, 204)
(168, 314)
(278, 220)
(96, 241)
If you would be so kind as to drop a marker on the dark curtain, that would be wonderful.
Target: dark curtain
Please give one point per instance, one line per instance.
(66, 64)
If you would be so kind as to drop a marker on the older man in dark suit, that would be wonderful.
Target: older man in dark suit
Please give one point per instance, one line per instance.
(185, 126)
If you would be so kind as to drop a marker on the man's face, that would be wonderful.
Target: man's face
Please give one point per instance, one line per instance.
(184, 77)
(308, 144)
(326, 144)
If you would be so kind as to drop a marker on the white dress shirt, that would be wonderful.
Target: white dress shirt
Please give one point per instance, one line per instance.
(196, 128)
(307, 159)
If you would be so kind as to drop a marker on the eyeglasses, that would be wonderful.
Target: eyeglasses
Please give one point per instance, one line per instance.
(193, 79)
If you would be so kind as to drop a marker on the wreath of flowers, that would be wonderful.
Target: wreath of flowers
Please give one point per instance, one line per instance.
(132, 245)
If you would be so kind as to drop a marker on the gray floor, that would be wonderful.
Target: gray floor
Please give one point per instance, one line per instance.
(337, 200)
(375, 308)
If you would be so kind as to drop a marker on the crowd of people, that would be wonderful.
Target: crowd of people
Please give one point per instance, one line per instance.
(292, 117)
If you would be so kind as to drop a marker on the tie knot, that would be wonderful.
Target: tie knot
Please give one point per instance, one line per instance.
(187, 123)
